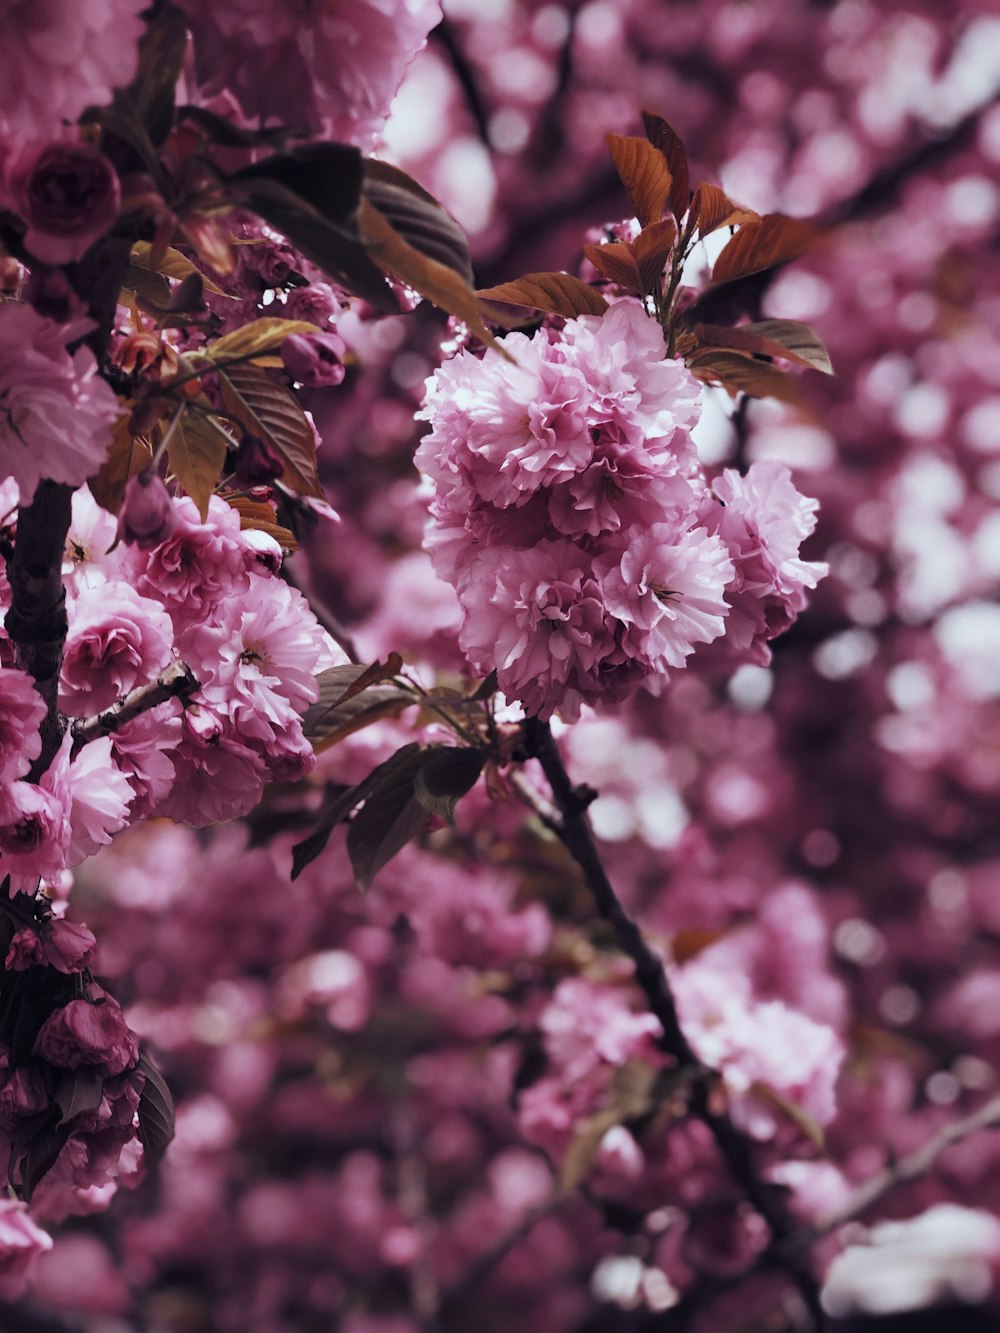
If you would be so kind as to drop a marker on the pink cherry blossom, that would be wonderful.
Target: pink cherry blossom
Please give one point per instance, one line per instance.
(21, 1243)
(58, 58)
(337, 67)
(88, 1032)
(56, 412)
(117, 640)
(22, 709)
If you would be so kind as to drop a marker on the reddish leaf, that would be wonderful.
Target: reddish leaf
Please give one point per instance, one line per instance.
(770, 337)
(617, 262)
(644, 173)
(553, 293)
(740, 373)
(267, 409)
(668, 141)
(713, 209)
(651, 249)
(775, 239)
(438, 282)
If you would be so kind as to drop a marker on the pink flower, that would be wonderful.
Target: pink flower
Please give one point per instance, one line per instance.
(315, 359)
(539, 617)
(34, 830)
(116, 640)
(60, 56)
(219, 778)
(56, 412)
(667, 587)
(763, 520)
(87, 1033)
(95, 793)
(334, 67)
(89, 558)
(64, 945)
(22, 709)
(197, 566)
(68, 194)
(21, 1242)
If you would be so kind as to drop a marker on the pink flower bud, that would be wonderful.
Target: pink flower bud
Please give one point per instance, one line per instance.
(314, 359)
(257, 464)
(68, 194)
(147, 515)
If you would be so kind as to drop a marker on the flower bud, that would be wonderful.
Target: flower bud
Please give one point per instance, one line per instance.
(147, 515)
(49, 292)
(68, 193)
(257, 464)
(314, 359)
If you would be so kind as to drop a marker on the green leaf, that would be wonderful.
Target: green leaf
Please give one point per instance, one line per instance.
(447, 776)
(553, 293)
(260, 335)
(198, 449)
(265, 408)
(156, 1109)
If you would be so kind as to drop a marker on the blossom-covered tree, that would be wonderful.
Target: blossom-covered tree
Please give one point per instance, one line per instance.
(450, 499)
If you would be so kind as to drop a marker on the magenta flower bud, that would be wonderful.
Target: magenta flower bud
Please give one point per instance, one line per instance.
(48, 290)
(314, 359)
(68, 193)
(257, 464)
(147, 515)
(83, 1033)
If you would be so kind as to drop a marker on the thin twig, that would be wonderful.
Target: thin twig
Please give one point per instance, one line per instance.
(176, 681)
(735, 1148)
(908, 1168)
(482, 1266)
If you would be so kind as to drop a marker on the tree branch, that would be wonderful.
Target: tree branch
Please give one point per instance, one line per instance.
(36, 621)
(575, 834)
(177, 681)
(911, 1167)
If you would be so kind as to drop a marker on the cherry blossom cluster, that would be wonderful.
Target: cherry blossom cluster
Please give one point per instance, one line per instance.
(206, 594)
(571, 514)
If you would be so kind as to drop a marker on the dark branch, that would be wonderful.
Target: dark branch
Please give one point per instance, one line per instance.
(733, 1145)
(177, 681)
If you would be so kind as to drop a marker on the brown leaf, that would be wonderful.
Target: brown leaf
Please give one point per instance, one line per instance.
(198, 448)
(774, 239)
(260, 335)
(713, 209)
(260, 517)
(769, 337)
(417, 216)
(172, 265)
(688, 943)
(740, 373)
(617, 262)
(267, 409)
(668, 141)
(644, 173)
(651, 248)
(797, 1114)
(553, 293)
(127, 456)
(433, 280)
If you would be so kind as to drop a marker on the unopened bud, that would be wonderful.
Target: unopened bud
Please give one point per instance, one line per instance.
(257, 464)
(314, 359)
(147, 515)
